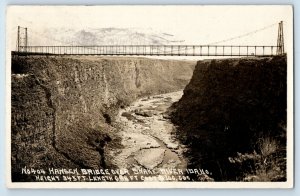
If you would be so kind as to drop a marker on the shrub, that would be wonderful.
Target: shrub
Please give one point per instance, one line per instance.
(267, 165)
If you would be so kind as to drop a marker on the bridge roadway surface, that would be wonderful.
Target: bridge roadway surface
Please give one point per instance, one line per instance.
(150, 50)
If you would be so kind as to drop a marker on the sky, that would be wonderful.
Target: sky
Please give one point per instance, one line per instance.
(193, 24)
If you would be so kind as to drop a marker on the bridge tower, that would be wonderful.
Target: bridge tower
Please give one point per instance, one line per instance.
(280, 41)
(22, 39)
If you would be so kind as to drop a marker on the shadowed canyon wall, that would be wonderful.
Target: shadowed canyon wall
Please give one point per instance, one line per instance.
(234, 106)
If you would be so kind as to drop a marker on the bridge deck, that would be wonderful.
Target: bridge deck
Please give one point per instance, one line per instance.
(152, 50)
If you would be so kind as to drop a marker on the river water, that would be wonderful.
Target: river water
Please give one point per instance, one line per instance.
(148, 137)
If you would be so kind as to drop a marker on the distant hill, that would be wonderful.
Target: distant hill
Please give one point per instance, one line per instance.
(102, 36)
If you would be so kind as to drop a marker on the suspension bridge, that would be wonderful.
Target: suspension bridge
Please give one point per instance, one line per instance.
(153, 50)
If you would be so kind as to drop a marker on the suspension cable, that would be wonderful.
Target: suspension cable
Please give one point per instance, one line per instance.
(243, 35)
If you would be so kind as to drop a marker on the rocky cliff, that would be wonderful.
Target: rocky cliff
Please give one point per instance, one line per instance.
(229, 107)
(62, 108)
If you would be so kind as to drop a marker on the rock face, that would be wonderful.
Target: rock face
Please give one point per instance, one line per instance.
(63, 107)
(227, 106)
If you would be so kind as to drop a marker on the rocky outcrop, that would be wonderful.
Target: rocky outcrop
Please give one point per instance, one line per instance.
(227, 106)
(63, 108)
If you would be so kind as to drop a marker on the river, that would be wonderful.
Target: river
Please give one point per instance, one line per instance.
(148, 136)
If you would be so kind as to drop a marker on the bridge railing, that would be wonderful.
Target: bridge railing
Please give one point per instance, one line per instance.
(153, 50)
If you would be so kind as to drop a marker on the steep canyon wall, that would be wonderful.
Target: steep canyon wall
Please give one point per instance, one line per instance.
(62, 107)
(234, 106)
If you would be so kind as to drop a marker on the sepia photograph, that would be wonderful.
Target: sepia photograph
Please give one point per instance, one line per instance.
(174, 96)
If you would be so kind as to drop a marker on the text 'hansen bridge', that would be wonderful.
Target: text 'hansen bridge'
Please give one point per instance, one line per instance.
(152, 50)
